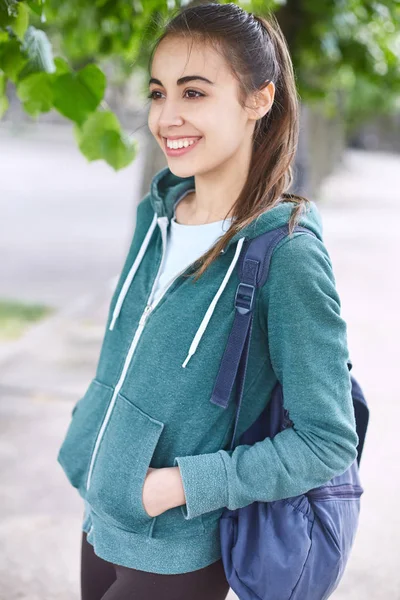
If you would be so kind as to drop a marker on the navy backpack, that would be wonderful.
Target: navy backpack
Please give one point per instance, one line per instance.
(295, 548)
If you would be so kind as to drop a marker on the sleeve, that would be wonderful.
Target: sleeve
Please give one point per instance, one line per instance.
(307, 339)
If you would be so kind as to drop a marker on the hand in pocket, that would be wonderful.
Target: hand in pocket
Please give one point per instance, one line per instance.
(162, 490)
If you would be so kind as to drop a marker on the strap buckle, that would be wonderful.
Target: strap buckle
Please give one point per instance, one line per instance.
(244, 298)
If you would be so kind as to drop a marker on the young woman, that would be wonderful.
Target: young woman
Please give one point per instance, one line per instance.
(145, 447)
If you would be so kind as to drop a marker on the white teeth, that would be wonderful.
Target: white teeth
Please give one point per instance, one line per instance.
(184, 143)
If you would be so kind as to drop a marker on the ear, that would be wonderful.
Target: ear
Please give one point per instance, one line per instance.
(262, 101)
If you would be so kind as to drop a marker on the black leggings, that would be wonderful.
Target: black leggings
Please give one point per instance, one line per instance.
(102, 580)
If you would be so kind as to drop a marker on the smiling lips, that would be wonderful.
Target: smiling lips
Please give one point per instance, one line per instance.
(187, 144)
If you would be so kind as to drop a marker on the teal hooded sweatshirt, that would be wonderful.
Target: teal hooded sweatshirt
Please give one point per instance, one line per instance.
(149, 402)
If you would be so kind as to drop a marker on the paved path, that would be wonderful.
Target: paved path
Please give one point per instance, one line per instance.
(361, 213)
(41, 515)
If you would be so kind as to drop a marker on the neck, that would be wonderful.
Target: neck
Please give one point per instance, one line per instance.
(217, 191)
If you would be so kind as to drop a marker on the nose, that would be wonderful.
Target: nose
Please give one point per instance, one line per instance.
(169, 116)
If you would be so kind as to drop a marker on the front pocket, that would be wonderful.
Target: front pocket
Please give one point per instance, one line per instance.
(121, 465)
(267, 544)
(336, 511)
(337, 508)
(87, 416)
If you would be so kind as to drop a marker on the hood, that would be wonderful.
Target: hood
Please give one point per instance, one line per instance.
(165, 190)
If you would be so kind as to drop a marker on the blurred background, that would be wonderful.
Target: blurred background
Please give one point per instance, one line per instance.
(76, 156)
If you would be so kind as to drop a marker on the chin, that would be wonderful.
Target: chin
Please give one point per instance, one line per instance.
(183, 171)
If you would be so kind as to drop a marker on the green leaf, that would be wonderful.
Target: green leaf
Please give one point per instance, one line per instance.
(4, 104)
(12, 60)
(36, 94)
(36, 6)
(100, 137)
(89, 136)
(3, 96)
(3, 83)
(8, 12)
(76, 95)
(21, 23)
(118, 150)
(61, 66)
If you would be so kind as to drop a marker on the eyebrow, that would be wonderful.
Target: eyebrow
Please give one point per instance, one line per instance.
(183, 80)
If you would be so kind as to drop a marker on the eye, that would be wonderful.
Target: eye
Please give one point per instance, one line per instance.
(195, 92)
(151, 95)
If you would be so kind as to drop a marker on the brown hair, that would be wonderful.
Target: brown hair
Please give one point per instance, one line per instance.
(256, 50)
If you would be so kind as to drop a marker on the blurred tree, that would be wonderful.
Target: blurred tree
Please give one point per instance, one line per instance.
(350, 46)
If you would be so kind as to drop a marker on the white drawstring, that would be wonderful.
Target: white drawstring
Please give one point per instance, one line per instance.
(210, 310)
(133, 269)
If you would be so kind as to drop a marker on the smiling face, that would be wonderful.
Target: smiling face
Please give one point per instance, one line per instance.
(197, 108)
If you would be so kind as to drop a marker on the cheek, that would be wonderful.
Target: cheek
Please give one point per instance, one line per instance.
(151, 122)
(153, 119)
(224, 126)
(222, 136)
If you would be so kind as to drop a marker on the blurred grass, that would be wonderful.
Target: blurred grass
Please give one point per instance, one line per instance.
(15, 317)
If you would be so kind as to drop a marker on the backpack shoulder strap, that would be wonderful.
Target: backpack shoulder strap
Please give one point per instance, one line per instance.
(261, 248)
(253, 268)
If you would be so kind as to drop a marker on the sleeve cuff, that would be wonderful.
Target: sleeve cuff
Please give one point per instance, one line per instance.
(205, 483)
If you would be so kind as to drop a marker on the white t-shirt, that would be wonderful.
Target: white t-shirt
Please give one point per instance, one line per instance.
(186, 243)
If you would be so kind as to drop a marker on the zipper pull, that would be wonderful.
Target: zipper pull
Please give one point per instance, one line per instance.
(145, 314)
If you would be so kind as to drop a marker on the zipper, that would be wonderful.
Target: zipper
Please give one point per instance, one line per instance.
(163, 223)
(150, 307)
(346, 490)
